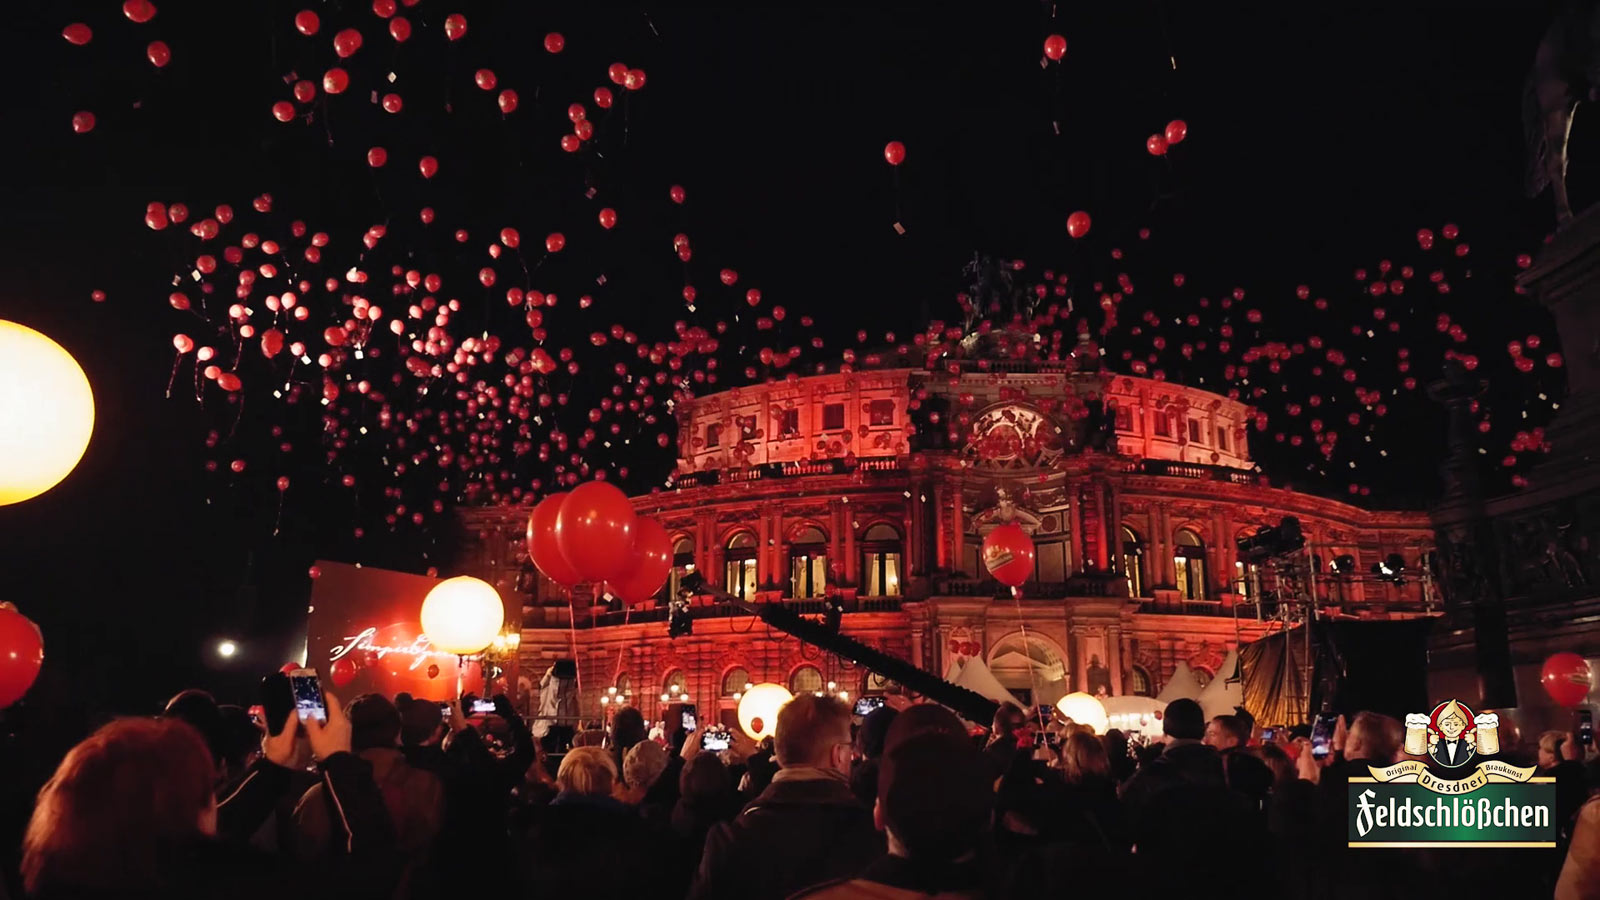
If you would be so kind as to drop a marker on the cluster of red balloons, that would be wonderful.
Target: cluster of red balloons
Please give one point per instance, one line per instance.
(964, 648)
(592, 534)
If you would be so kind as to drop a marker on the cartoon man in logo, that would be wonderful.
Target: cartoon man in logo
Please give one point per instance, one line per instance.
(1452, 735)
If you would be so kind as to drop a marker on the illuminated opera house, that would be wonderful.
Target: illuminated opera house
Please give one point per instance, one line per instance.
(877, 486)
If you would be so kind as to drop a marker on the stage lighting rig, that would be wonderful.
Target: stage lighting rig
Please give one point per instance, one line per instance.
(1272, 540)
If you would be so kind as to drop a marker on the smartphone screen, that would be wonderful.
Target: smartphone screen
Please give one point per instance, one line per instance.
(715, 741)
(1269, 735)
(1322, 734)
(307, 690)
(1585, 728)
(689, 720)
(482, 707)
(865, 705)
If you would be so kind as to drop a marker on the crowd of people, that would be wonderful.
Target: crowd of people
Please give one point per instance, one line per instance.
(397, 798)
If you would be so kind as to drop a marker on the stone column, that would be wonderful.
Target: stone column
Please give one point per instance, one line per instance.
(1102, 552)
(1114, 662)
(780, 549)
(958, 528)
(852, 560)
(1161, 541)
(1074, 526)
(913, 531)
(1114, 529)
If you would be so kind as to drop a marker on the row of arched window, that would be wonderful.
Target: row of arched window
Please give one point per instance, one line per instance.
(1188, 563)
(879, 546)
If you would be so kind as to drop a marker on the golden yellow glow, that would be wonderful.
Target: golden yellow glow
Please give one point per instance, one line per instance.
(46, 413)
(462, 615)
(1084, 710)
(758, 708)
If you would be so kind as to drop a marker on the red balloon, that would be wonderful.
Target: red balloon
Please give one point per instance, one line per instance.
(1055, 47)
(652, 560)
(555, 242)
(158, 53)
(83, 122)
(608, 218)
(377, 157)
(306, 22)
(346, 43)
(594, 530)
(1156, 144)
(455, 26)
(283, 110)
(139, 11)
(77, 33)
(542, 546)
(484, 79)
(343, 671)
(21, 654)
(1566, 679)
(554, 42)
(427, 166)
(1176, 131)
(286, 668)
(400, 29)
(508, 100)
(894, 152)
(1008, 554)
(335, 80)
(1078, 224)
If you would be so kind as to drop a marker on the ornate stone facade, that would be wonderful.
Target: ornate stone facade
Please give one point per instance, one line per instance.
(879, 486)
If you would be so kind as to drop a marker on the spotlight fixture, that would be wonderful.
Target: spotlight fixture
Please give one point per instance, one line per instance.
(1272, 540)
(1392, 569)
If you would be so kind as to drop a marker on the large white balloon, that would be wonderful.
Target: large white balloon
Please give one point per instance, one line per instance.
(758, 708)
(462, 615)
(1084, 710)
(46, 413)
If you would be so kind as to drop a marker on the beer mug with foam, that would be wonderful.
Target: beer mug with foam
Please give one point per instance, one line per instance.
(1488, 734)
(1416, 734)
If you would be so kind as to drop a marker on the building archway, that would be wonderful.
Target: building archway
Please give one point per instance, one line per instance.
(1034, 669)
(739, 566)
(1189, 565)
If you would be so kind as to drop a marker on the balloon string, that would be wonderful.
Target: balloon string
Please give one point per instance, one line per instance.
(572, 629)
(1033, 676)
(176, 362)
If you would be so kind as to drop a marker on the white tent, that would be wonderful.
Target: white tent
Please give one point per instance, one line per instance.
(1182, 685)
(1225, 691)
(975, 676)
(953, 671)
(1134, 715)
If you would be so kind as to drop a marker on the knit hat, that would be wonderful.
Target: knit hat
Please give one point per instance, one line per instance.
(643, 764)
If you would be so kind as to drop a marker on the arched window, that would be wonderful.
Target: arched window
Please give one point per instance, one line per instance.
(1139, 682)
(735, 680)
(880, 561)
(805, 679)
(1133, 561)
(808, 563)
(1189, 565)
(624, 684)
(675, 686)
(741, 565)
(682, 564)
(1026, 667)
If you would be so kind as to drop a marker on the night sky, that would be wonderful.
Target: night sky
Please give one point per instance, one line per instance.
(1320, 140)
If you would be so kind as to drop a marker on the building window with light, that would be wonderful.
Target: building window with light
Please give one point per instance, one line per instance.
(682, 565)
(1133, 561)
(1124, 418)
(808, 564)
(1189, 565)
(1195, 432)
(675, 686)
(806, 679)
(713, 436)
(1222, 438)
(1169, 425)
(1138, 682)
(740, 565)
(735, 680)
(880, 413)
(1244, 576)
(880, 561)
(789, 423)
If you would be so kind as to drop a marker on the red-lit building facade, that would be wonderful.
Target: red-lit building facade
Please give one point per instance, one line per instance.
(881, 484)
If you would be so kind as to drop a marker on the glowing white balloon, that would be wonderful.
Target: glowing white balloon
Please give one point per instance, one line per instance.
(46, 413)
(758, 708)
(462, 615)
(1084, 710)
